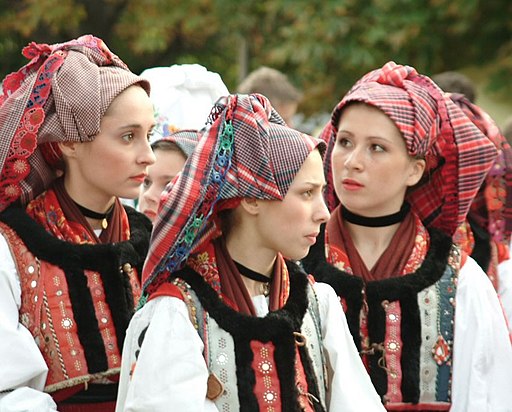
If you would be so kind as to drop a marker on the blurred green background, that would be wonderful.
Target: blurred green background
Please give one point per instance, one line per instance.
(323, 46)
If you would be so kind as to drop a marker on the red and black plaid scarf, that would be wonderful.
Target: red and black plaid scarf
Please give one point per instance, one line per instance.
(458, 155)
(246, 151)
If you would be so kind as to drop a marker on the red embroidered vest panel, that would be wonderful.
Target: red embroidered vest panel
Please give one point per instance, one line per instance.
(46, 311)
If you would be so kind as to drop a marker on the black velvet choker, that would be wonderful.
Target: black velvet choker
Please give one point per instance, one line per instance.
(379, 221)
(91, 214)
(258, 277)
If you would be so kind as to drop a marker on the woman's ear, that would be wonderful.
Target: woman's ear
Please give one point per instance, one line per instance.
(68, 149)
(250, 205)
(418, 168)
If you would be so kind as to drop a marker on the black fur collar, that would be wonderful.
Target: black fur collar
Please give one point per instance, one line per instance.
(277, 327)
(106, 259)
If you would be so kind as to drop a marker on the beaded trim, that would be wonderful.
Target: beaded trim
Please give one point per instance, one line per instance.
(196, 224)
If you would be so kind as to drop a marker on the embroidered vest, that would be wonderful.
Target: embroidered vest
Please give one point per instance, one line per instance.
(259, 365)
(408, 344)
(77, 315)
(403, 326)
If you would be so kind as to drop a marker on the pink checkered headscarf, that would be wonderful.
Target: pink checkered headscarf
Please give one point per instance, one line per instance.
(458, 155)
(60, 95)
(245, 151)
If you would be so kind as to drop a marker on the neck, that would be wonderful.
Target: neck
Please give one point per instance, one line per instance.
(87, 200)
(244, 252)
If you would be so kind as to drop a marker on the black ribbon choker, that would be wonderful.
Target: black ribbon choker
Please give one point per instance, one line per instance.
(379, 221)
(91, 214)
(258, 277)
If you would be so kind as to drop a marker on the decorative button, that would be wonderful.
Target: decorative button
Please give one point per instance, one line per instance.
(270, 396)
(31, 269)
(265, 367)
(66, 323)
(104, 320)
(33, 284)
(222, 359)
(59, 293)
(127, 268)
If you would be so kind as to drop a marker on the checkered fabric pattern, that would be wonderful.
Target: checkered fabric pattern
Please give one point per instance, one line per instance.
(60, 95)
(493, 202)
(186, 140)
(245, 151)
(458, 155)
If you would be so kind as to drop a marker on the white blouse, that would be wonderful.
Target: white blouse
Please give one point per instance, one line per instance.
(171, 373)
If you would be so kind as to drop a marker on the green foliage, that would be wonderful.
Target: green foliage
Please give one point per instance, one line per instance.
(323, 45)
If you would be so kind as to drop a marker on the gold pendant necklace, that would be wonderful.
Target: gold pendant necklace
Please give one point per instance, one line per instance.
(91, 214)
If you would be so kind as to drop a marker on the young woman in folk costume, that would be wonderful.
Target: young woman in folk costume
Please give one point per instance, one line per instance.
(403, 164)
(231, 322)
(71, 255)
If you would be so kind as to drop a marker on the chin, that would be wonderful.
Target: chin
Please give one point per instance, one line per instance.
(296, 255)
(128, 195)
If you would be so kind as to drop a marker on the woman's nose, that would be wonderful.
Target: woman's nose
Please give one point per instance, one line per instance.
(322, 214)
(146, 155)
(354, 159)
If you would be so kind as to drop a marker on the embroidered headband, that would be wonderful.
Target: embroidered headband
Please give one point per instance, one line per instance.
(60, 95)
(457, 154)
(245, 151)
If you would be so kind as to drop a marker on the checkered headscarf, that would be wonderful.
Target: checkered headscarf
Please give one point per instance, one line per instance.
(492, 205)
(457, 154)
(186, 140)
(245, 151)
(60, 95)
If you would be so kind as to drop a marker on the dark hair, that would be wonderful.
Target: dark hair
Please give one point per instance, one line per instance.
(167, 146)
(227, 220)
(455, 82)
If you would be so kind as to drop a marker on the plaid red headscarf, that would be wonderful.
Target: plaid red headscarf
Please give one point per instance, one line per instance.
(492, 206)
(60, 95)
(246, 151)
(458, 155)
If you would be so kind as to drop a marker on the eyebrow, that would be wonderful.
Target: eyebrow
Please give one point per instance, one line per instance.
(323, 185)
(135, 126)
